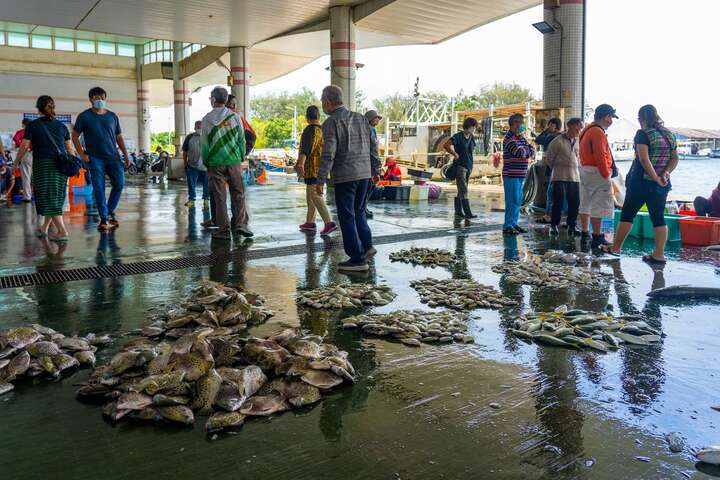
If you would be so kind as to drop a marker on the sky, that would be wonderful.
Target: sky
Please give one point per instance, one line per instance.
(638, 51)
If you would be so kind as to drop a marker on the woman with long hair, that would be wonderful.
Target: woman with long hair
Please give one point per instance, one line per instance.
(648, 182)
(48, 137)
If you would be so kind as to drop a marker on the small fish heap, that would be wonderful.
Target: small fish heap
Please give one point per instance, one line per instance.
(349, 295)
(35, 350)
(425, 256)
(535, 271)
(413, 327)
(212, 370)
(459, 294)
(578, 258)
(581, 329)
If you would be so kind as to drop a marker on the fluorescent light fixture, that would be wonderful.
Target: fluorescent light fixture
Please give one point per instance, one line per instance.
(544, 27)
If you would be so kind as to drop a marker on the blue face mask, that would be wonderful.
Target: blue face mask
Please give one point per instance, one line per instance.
(521, 129)
(99, 104)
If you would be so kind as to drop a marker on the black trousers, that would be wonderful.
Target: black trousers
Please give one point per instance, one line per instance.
(563, 191)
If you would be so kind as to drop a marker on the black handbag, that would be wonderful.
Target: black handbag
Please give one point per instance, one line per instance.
(450, 172)
(68, 165)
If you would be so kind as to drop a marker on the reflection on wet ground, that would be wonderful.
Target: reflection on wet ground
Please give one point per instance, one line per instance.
(499, 408)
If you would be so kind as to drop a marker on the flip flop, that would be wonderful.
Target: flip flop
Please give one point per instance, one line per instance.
(62, 239)
(608, 250)
(40, 234)
(652, 260)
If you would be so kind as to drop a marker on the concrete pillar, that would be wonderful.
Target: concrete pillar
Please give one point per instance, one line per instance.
(182, 100)
(240, 72)
(563, 57)
(342, 52)
(143, 104)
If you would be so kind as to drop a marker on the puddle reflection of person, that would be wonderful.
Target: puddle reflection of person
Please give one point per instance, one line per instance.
(460, 270)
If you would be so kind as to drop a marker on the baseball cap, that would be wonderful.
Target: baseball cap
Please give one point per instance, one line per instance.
(604, 110)
(370, 115)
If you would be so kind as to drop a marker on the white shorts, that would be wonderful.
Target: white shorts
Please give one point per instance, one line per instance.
(596, 197)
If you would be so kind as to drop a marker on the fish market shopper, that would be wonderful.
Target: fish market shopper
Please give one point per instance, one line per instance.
(648, 182)
(373, 118)
(561, 156)
(596, 165)
(461, 147)
(223, 151)
(102, 135)
(308, 163)
(554, 128)
(26, 170)
(195, 170)
(48, 137)
(708, 206)
(517, 153)
(347, 151)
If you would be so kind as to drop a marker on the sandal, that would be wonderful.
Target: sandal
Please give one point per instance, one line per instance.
(40, 234)
(652, 260)
(61, 239)
(608, 250)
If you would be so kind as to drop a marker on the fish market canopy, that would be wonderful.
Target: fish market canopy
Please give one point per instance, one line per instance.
(283, 35)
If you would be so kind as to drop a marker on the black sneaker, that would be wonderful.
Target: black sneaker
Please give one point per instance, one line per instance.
(221, 236)
(244, 231)
(510, 231)
(574, 232)
(599, 240)
(369, 214)
(350, 266)
(519, 229)
(554, 230)
(584, 237)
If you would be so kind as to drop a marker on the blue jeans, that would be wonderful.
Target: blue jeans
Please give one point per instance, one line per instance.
(114, 169)
(193, 176)
(513, 198)
(351, 201)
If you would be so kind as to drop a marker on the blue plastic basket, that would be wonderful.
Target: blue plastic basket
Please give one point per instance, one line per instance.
(82, 190)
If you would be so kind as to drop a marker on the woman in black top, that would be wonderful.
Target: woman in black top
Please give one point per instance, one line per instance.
(461, 146)
(48, 136)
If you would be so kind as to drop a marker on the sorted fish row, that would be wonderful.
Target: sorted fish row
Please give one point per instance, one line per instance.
(547, 274)
(36, 351)
(585, 330)
(459, 294)
(425, 256)
(413, 327)
(577, 258)
(349, 295)
(213, 371)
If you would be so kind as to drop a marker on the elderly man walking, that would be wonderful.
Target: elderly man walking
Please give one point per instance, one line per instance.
(223, 151)
(347, 152)
(561, 155)
(596, 195)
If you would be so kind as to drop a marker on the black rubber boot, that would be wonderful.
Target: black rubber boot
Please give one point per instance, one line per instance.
(459, 208)
(466, 209)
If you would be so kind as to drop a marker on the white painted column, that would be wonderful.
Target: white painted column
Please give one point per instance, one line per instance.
(240, 72)
(342, 52)
(143, 104)
(563, 64)
(182, 100)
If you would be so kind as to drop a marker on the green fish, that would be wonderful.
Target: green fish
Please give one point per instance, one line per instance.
(162, 400)
(550, 340)
(631, 339)
(63, 361)
(522, 334)
(596, 345)
(221, 420)
(85, 358)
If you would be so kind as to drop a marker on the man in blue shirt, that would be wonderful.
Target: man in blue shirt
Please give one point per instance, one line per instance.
(102, 136)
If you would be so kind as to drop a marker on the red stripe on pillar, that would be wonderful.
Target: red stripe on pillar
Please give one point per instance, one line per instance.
(342, 45)
(143, 99)
(343, 62)
(238, 69)
(140, 90)
(239, 82)
(181, 92)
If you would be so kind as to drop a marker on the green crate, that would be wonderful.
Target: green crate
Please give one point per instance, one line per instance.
(672, 224)
(637, 229)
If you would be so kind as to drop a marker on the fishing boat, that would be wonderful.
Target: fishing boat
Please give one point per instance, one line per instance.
(690, 156)
(715, 153)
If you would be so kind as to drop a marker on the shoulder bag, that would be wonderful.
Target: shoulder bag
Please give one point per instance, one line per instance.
(68, 165)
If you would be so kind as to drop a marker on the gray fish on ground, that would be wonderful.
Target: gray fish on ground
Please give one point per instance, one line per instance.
(147, 414)
(74, 344)
(6, 387)
(709, 455)
(162, 400)
(86, 357)
(41, 348)
(550, 340)
(133, 401)
(123, 361)
(63, 361)
(110, 410)
(221, 420)
(321, 379)
(685, 291)
(17, 366)
(229, 398)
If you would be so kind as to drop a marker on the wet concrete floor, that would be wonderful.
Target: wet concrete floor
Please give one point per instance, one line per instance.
(414, 413)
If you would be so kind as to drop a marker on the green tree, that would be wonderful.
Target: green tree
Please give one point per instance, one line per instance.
(278, 131)
(164, 140)
(282, 105)
(498, 94)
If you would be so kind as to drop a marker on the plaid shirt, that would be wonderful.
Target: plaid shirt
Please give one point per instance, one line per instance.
(349, 153)
(660, 149)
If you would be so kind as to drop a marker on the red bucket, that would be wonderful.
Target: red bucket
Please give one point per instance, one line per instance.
(701, 231)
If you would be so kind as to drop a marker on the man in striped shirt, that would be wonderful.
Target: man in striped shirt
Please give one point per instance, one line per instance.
(517, 152)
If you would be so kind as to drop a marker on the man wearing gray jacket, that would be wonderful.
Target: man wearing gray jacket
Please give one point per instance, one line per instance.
(348, 156)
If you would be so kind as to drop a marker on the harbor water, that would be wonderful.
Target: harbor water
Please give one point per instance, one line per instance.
(691, 178)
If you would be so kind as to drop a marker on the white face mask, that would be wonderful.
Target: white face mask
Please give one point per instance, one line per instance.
(198, 130)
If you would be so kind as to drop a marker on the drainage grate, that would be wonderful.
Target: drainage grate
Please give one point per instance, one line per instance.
(154, 266)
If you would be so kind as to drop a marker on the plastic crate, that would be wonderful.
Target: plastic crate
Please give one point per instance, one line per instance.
(648, 231)
(687, 213)
(396, 193)
(82, 189)
(700, 231)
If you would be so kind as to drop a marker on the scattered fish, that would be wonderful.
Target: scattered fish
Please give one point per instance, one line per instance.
(344, 296)
(460, 294)
(432, 257)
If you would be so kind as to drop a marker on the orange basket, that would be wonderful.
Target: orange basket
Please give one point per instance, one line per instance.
(700, 231)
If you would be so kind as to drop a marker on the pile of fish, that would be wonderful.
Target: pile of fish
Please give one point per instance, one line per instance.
(35, 350)
(581, 329)
(425, 256)
(348, 295)
(413, 327)
(578, 258)
(536, 272)
(211, 370)
(459, 294)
